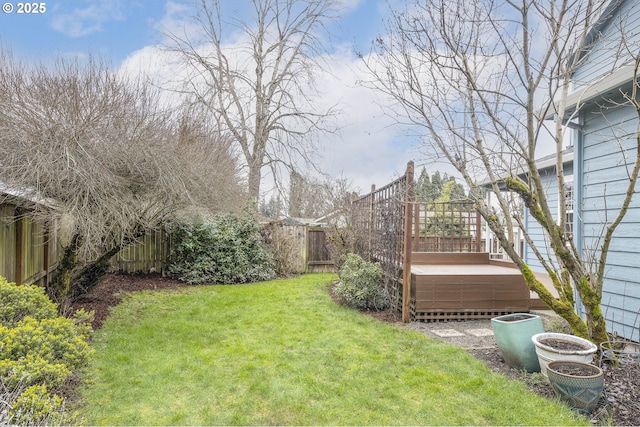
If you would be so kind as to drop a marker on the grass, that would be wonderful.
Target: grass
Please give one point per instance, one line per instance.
(283, 353)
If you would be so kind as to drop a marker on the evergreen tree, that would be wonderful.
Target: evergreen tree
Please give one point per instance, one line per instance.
(271, 208)
(437, 183)
(423, 190)
(457, 190)
(447, 190)
(439, 187)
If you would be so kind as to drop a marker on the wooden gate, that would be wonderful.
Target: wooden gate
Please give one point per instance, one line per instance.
(318, 256)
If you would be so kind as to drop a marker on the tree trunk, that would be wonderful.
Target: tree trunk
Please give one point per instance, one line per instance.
(58, 289)
(89, 276)
(255, 176)
(72, 281)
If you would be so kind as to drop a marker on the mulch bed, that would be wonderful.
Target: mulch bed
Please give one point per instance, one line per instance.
(619, 406)
(109, 292)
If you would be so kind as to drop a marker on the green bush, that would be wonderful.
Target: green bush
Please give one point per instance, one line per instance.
(361, 284)
(42, 351)
(38, 352)
(32, 370)
(16, 302)
(226, 249)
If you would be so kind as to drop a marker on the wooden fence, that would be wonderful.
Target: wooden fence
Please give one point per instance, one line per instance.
(30, 250)
(28, 246)
(446, 227)
(151, 253)
(318, 256)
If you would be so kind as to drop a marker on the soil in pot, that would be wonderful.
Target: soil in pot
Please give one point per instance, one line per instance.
(515, 318)
(562, 344)
(575, 370)
(554, 346)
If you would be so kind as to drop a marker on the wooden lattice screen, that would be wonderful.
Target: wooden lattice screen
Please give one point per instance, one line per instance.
(379, 219)
(446, 227)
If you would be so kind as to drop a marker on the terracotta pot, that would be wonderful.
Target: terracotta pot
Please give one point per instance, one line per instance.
(578, 384)
(583, 352)
(513, 334)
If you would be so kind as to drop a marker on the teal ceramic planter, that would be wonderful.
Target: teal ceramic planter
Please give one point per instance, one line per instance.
(578, 384)
(513, 334)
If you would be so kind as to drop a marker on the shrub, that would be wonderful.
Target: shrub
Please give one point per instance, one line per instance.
(33, 370)
(38, 352)
(226, 249)
(283, 247)
(16, 302)
(342, 241)
(41, 351)
(36, 406)
(361, 284)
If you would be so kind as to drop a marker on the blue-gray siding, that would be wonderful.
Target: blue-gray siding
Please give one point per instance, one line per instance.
(607, 152)
(607, 51)
(534, 229)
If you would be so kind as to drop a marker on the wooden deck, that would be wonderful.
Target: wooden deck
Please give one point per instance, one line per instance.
(431, 255)
(455, 286)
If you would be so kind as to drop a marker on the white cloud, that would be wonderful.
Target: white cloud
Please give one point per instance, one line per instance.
(88, 20)
(348, 5)
(177, 21)
(368, 149)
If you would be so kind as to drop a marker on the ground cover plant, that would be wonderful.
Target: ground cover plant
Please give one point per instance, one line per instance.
(282, 352)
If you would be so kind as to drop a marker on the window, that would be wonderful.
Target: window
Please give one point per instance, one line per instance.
(569, 202)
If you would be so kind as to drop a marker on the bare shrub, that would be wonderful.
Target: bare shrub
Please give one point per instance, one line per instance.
(283, 246)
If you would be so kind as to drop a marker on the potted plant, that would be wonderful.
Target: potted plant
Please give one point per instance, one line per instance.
(513, 334)
(576, 383)
(551, 346)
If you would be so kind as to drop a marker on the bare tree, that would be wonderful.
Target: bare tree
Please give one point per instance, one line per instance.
(479, 78)
(308, 197)
(315, 197)
(111, 162)
(259, 88)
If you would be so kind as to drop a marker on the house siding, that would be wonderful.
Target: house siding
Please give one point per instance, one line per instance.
(608, 149)
(537, 234)
(606, 51)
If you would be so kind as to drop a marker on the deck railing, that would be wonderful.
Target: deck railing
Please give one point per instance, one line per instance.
(389, 225)
(446, 227)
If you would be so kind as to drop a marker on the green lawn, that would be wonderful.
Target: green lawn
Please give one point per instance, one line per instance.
(283, 353)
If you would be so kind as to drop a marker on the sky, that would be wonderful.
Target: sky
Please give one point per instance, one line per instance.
(367, 150)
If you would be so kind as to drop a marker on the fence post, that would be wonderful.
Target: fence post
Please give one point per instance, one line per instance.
(478, 232)
(371, 219)
(416, 226)
(406, 259)
(19, 246)
(45, 253)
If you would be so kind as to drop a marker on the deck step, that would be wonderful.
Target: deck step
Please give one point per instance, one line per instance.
(466, 291)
